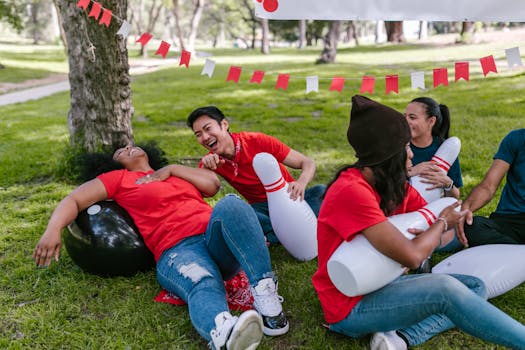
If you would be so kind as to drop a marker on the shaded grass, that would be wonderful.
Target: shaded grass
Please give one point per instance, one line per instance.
(63, 307)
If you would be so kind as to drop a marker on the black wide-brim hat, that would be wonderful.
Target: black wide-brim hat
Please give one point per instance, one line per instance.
(376, 132)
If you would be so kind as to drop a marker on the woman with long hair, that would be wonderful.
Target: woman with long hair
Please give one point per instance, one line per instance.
(414, 307)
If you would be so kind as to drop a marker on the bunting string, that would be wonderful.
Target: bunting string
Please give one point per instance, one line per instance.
(440, 75)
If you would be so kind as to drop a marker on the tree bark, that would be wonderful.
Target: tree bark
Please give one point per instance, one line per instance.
(100, 113)
(194, 24)
(330, 43)
(176, 14)
(265, 42)
(467, 31)
(302, 34)
(394, 31)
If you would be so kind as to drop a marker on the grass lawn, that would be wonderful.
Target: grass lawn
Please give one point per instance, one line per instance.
(63, 307)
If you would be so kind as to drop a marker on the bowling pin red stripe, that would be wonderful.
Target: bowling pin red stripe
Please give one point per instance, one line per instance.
(443, 164)
(276, 186)
(428, 215)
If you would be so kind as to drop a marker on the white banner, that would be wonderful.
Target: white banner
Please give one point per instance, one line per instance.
(393, 10)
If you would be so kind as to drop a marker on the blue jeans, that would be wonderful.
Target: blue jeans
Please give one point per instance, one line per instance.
(195, 268)
(421, 306)
(313, 196)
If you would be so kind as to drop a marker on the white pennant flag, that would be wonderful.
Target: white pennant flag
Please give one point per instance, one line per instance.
(124, 29)
(418, 80)
(312, 84)
(209, 67)
(513, 57)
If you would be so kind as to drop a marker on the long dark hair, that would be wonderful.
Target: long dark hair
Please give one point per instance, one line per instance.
(390, 181)
(442, 126)
(90, 165)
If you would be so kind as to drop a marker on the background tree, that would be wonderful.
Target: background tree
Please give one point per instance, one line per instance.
(100, 113)
(330, 43)
(467, 32)
(11, 12)
(394, 31)
(144, 16)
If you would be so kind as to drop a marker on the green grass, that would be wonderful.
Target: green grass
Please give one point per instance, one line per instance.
(63, 307)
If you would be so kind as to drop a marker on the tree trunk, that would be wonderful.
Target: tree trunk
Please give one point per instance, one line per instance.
(394, 31)
(467, 31)
(330, 43)
(194, 24)
(423, 30)
(60, 25)
(265, 41)
(101, 110)
(302, 34)
(176, 14)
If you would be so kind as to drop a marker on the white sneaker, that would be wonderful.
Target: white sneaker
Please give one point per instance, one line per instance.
(268, 303)
(236, 333)
(387, 341)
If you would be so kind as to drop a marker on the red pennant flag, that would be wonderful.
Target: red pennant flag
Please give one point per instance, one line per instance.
(234, 74)
(83, 4)
(488, 65)
(257, 77)
(106, 17)
(95, 10)
(282, 81)
(392, 84)
(367, 85)
(462, 71)
(185, 58)
(163, 49)
(144, 38)
(337, 84)
(440, 77)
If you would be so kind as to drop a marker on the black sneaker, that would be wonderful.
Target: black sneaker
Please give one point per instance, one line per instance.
(268, 303)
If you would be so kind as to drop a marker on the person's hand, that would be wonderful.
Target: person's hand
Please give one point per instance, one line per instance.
(460, 228)
(435, 177)
(418, 168)
(296, 190)
(48, 248)
(212, 161)
(452, 215)
(159, 175)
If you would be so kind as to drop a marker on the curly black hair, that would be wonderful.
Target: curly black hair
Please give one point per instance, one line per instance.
(90, 165)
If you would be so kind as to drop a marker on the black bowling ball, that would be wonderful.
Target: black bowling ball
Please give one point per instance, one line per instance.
(103, 240)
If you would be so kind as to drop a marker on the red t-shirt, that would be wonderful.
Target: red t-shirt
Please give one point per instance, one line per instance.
(350, 206)
(165, 212)
(239, 172)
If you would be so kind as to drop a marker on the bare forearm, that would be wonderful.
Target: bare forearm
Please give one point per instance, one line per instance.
(204, 180)
(478, 198)
(307, 173)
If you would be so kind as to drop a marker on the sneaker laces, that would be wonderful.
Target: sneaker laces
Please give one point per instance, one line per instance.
(224, 324)
(266, 299)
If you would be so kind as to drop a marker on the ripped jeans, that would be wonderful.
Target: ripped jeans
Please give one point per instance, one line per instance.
(196, 267)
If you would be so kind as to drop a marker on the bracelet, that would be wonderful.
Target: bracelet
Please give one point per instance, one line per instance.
(444, 221)
(449, 187)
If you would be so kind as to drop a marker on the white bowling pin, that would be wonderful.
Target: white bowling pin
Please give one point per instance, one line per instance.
(357, 268)
(499, 266)
(293, 222)
(445, 156)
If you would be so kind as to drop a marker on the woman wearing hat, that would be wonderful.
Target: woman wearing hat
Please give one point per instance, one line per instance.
(413, 308)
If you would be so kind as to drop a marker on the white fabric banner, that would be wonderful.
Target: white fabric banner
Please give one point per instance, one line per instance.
(312, 83)
(209, 68)
(418, 80)
(513, 57)
(393, 10)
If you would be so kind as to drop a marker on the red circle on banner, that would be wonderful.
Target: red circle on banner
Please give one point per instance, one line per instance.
(270, 5)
